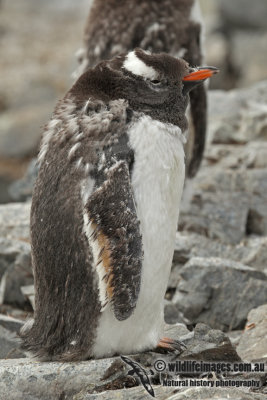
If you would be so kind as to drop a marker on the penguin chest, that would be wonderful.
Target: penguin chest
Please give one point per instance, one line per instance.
(157, 181)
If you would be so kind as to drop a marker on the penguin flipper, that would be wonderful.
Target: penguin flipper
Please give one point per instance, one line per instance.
(116, 241)
(198, 102)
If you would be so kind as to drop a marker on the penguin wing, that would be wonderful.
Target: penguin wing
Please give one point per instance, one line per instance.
(114, 236)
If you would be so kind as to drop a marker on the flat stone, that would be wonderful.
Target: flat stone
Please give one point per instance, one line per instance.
(14, 312)
(216, 393)
(11, 324)
(253, 342)
(28, 292)
(257, 253)
(15, 221)
(20, 131)
(28, 379)
(9, 251)
(31, 379)
(248, 156)
(9, 346)
(239, 115)
(15, 270)
(227, 204)
(176, 330)
(251, 251)
(209, 345)
(30, 100)
(21, 189)
(219, 292)
(172, 314)
(135, 393)
(257, 217)
(24, 379)
(235, 337)
(216, 216)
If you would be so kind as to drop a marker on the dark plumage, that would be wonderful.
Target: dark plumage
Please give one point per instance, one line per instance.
(91, 226)
(170, 26)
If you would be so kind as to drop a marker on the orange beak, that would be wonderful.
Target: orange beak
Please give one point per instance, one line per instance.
(201, 74)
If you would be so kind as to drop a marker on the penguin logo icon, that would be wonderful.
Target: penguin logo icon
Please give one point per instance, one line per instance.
(141, 374)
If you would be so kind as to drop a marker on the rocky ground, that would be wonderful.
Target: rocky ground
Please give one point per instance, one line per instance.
(216, 301)
(217, 293)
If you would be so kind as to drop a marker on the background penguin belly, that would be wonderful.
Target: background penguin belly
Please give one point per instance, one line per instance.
(157, 182)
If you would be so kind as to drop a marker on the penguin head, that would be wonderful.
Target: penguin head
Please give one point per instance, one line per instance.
(153, 84)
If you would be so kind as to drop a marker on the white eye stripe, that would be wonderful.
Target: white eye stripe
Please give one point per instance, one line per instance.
(138, 67)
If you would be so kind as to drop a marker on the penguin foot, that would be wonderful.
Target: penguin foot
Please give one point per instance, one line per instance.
(171, 344)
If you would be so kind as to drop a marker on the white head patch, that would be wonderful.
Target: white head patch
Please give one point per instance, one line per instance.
(138, 67)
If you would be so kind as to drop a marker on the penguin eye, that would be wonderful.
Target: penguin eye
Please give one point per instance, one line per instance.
(155, 82)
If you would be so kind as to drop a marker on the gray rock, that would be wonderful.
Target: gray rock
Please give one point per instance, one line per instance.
(238, 116)
(209, 345)
(30, 89)
(172, 315)
(257, 253)
(28, 379)
(216, 215)
(14, 312)
(219, 292)
(21, 190)
(9, 345)
(257, 216)
(176, 330)
(235, 337)
(31, 379)
(252, 68)
(216, 393)
(230, 156)
(15, 271)
(239, 14)
(15, 258)
(20, 131)
(28, 292)
(227, 204)
(9, 251)
(5, 181)
(11, 324)
(15, 221)
(135, 393)
(251, 251)
(188, 245)
(16, 276)
(174, 394)
(253, 342)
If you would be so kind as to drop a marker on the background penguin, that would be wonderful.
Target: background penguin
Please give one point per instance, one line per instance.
(104, 209)
(171, 26)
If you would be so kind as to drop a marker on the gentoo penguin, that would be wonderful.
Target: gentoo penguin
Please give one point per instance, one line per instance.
(104, 209)
(171, 26)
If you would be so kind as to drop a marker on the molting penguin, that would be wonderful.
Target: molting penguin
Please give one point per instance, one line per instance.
(171, 26)
(105, 208)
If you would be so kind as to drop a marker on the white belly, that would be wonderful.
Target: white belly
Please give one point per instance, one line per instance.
(157, 180)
